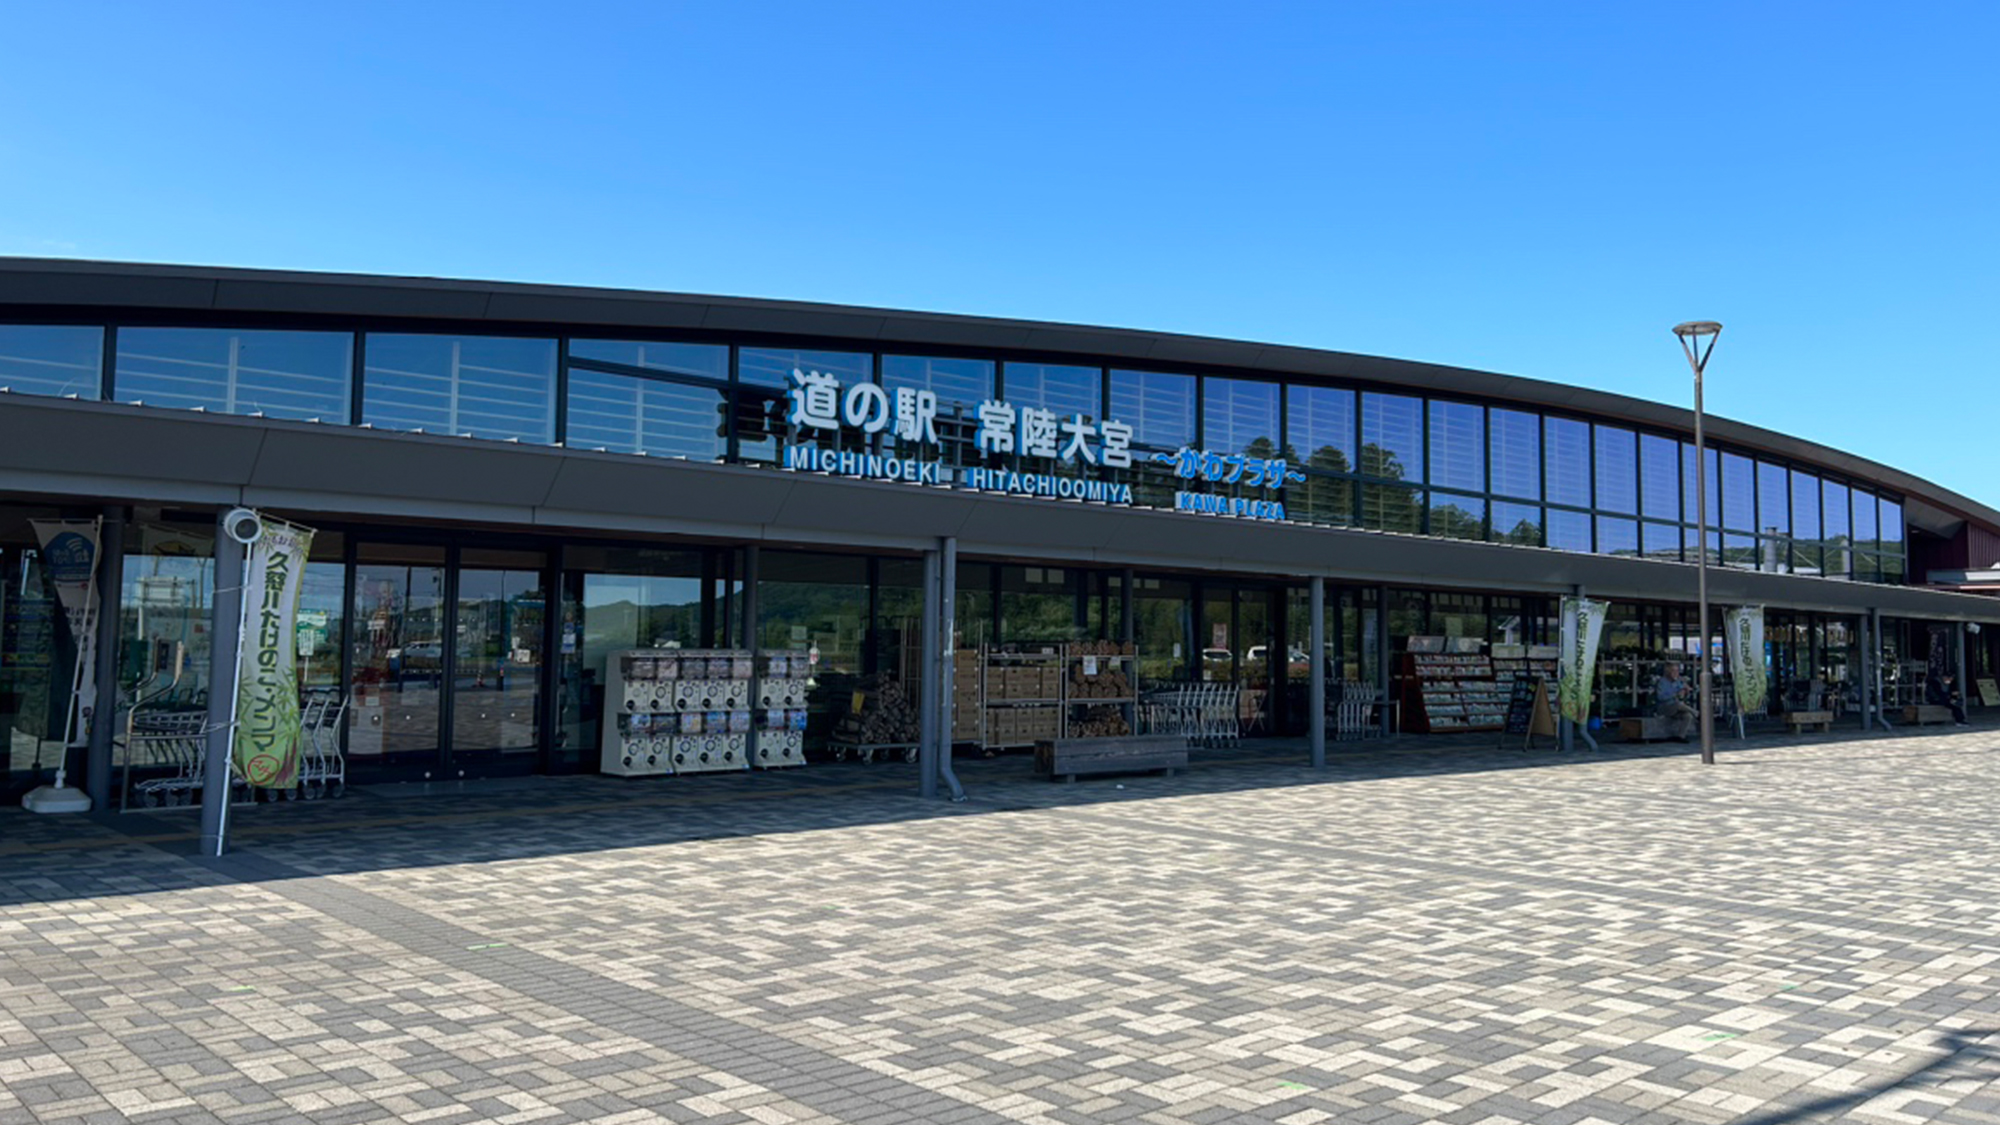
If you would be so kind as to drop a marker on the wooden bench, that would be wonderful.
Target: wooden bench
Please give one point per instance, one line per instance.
(1131, 753)
(1921, 713)
(1800, 720)
(1643, 728)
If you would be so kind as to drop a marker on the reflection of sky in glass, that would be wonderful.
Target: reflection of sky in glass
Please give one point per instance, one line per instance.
(1617, 537)
(1661, 540)
(705, 361)
(1805, 505)
(772, 367)
(1321, 418)
(1617, 471)
(625, 414)
(282, 374)
(1458, 445)
(1834, 500)
(1892, 524)
(490, 387)
(957, 382)
(1864, 520)
(1739, 493)
(1237, 412)
(1566, 450)
(1065, 390)
(1659, 477)
(1159, 408)
(52, 360)
(1773, 498)
(1508, 518)
(1568, 531)
(1689, 513)
(1516, 440)
(1394, 425)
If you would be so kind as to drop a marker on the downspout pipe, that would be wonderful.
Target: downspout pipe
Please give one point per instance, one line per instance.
(946, 648)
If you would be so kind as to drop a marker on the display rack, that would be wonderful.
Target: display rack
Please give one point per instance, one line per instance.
(1512, 661)
(1014, 697)
(675, 711)
(1451, 692)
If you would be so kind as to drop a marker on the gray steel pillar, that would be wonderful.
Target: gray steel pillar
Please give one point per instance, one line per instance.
(929, 699)
(750, 638)
(1316, 696)
(1862, 681)
(1875, 629)
(225, 630)
(947, 648)
(1382, 656)
(104, 721)
(1128, 614)
(1959, 667)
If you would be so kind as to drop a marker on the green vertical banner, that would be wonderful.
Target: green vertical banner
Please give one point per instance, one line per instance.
(1582, 622)
(267, 682)
(1746, 657)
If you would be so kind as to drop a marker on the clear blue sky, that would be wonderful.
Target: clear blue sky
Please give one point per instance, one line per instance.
(1535, 188)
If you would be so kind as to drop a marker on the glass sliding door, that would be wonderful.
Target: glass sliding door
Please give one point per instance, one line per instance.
(397, 656)
(496, 662)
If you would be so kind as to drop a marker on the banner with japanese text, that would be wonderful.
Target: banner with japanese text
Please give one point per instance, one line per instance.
(267, 684)
(69, 555)
(1582, 622)
(1746, 657)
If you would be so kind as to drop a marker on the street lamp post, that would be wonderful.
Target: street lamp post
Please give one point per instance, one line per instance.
(1698, 341)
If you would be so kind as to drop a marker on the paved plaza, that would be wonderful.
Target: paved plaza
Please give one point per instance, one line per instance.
(1804, 932)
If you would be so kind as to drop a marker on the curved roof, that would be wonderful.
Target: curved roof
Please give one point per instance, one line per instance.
(209, 291)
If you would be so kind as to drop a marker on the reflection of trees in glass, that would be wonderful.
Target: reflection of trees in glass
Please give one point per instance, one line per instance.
(1391, 507)
(1526, 533)
(1453, 522)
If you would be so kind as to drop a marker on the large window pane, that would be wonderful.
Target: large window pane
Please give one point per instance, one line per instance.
(1240, 416)
(1837, 561)
(763, 403)
(1617, 537)
(482, 386)
(1805, 506)
(1568, 531)
(1739, 493)
(1392, 437)
(1866, 532)
(1065, 390)
(1159, 408)
(52, 359)
(1774, 499)
(1661, 541)
(624, 414)
(1520, 524)
(1891, 526)
(1617, 460)
(772, 367)
(280, 374)
(1660, 478)
(1324, 500)
(1516, 460)
(1691, 511)
(702, 361)
(1390, 507)
(1458, 445)
(1566, 452)
(1457, 517)
(1319, 425)
(960, 386)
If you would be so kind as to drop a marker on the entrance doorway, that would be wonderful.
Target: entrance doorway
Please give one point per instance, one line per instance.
(445, 665)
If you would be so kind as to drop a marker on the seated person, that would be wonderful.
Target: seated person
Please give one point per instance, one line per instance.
(1670, 702)
(1939, 692)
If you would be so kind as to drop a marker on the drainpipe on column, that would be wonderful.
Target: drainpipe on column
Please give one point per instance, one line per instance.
(1316, 694)
(928, 692)
(110, 592)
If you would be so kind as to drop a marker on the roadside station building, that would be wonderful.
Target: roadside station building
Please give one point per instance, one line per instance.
(513, 483)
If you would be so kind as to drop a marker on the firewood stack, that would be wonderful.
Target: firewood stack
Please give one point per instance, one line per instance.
(1102, 721)
(1110, 682)
(886, 717)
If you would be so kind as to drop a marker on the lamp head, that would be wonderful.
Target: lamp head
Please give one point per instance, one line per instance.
(1696, 329)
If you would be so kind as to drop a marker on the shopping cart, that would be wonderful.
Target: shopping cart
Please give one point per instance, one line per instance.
(322, 767)
(165, 745)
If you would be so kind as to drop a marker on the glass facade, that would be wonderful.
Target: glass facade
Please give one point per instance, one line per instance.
(1369, 458)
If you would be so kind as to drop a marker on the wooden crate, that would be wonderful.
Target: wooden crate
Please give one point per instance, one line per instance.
(1069, 758)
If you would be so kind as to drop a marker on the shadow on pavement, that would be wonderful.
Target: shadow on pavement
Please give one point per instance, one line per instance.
(1958, 1047)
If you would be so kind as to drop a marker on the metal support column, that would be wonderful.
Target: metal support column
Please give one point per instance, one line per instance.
(750, 641)
(1861, 677)
(1875, 631)
(104, 720)
(928, 696)
(947, 647)
(1316, 694)
(1382, 657)
(1957, 667)
(225, 630)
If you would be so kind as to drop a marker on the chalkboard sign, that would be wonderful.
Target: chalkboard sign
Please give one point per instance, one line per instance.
(1528, 711)
(1989, 692)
